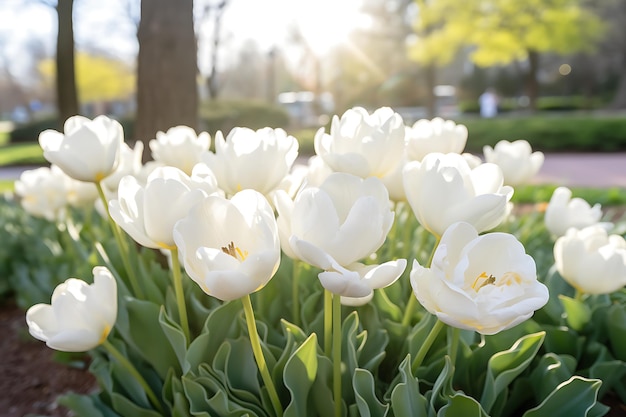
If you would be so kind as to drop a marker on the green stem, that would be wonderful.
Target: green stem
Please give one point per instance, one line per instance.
(328, 321)
(134, 372)
(295, 293)
(180, 294)
(423, 350)
(258, 355)
(453, 347)
(121, 244)
(337, 353)
(412, 303)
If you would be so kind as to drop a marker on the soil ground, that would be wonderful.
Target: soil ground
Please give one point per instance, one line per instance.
(30, 378)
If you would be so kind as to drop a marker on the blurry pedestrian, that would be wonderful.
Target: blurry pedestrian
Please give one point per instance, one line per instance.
(488, 102)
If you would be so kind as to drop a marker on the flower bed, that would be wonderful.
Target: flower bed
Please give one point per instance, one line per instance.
(391, 277)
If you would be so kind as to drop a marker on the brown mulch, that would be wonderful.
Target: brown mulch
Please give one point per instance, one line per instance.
(30, 378)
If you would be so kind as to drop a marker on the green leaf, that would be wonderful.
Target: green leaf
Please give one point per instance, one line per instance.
(616, 326)
(174, 335)
(219, 325)
(504, 366)
(573, 398)
(442, 387)
(299, 375)
(462, 405)
(85, 405)
(365, 394)
(550, 372)
(406, 398)
(577, 313)
(142, 330)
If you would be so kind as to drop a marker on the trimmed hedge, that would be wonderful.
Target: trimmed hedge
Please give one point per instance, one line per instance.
(214, 116)
(558, 133)
(225, 115)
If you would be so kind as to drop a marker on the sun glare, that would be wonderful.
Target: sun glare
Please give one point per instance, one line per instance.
(327, 23)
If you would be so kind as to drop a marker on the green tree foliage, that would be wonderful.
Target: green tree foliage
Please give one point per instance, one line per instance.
(501, 32)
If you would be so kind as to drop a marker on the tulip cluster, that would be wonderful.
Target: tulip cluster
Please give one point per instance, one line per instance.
(229, 218)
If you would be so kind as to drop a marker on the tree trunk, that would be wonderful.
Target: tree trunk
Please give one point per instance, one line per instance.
(532, 84)
(212, 83)
(67, 96)
(167, 93)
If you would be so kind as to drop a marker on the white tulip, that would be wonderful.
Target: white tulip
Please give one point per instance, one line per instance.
(442, 189)
(362, 144)
(564, 212)
(130, 164)
(436, 135)
(80, 315)
(258, 160)
(591, 260)
(484, 283)
(43, 192)
(148, 213)
(334, 226)
(516, 159)
(88, 150)
(230, 248)
(180, 147)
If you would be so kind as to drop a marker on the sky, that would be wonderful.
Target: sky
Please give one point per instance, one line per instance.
(111, 26)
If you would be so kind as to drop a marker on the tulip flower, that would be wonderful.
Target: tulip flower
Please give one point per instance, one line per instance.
(88, 150)
(130, 164)
(180, 147)
(230, 248)
(148, 213)
(43, 192)
(258, 160)
(564, 212)
(80, 315)
(591, 260)
(334, 226)
(484, 283)
(436, 135)
(362, 144)
(516, 159)
(442, 190)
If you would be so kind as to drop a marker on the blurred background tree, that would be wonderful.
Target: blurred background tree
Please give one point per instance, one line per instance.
(167, 89)
(500, 32)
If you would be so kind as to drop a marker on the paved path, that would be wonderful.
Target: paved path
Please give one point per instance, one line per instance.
(572, 170)
(584, 170)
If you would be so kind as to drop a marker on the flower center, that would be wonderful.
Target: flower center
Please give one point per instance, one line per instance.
(483, 280)
(508, 279)
(235, 251)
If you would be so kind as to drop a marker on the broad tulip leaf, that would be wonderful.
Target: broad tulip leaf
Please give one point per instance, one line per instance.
(174, 397)
(144, 333)
(219, 325)
(124, 407)
(443, 386)
(550, 372)
(574, 397)
(365, 394)
(505, 366)
(616, 326)
(86, 405)
(406, 398)
(609, 372)
(299, 374)
(462, 405)
(174, 335)
(577, 313)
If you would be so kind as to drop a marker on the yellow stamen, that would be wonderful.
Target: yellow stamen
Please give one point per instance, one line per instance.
(486, 280)
(235, 251)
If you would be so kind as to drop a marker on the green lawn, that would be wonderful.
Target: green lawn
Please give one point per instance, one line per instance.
(21, 154)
